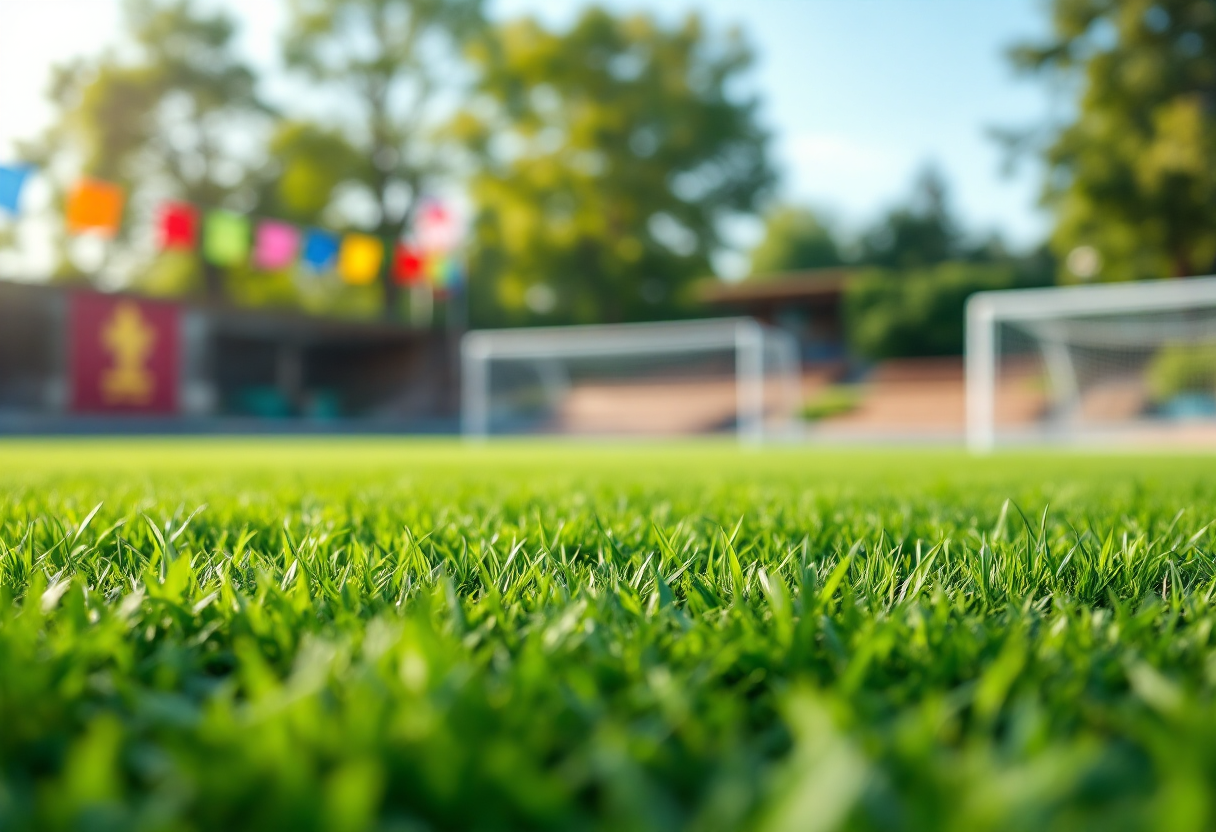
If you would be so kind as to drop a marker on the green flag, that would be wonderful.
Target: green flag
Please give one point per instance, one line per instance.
(226, 238)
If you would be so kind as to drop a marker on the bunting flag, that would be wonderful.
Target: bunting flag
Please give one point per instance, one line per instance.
(454, 275)
(226, 238)
(436, 269)
(360, 258)
(436, 228)
(12, 180)
(408, 265)
(277, 245)
(445, 271)
(320, 250)
(178, 226)
(94, 205)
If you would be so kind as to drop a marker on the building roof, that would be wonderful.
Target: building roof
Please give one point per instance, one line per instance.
(811, 284)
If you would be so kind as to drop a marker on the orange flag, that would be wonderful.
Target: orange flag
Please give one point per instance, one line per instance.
(94, 205)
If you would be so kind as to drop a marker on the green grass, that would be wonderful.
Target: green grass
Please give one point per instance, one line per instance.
(353, 635)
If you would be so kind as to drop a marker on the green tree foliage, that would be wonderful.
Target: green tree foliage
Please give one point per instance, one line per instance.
(163, 117)
(1134, 173)
(921, 233)
(308, 163)
(794, 238)
(387, 64)
(609, 155)
(919, 312)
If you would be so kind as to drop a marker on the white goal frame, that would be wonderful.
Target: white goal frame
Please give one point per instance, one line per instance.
(987, 310)
(745, 336)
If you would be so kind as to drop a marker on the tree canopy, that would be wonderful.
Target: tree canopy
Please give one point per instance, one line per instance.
(920, 233)
(603, 161)
(608, 157)
(159, 116)
(794, 238)
(1133, 174)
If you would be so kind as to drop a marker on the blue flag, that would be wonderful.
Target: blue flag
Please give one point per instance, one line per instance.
(320, 250)
(12, 180)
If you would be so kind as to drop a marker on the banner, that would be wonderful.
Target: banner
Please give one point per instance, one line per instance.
(123, 355)
(427, 256)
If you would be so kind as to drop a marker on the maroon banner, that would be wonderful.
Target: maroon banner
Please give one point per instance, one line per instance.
(123, 355)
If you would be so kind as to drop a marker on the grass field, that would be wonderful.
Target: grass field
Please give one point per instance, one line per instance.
(350, 635)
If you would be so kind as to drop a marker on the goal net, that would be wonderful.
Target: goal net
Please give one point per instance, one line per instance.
(1115, 363)
(687, 377)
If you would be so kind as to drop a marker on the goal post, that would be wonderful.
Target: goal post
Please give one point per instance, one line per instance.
(703, 376)
(1119, 361)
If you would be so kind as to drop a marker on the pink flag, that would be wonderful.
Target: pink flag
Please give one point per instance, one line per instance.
(436, 228)
(277, 245)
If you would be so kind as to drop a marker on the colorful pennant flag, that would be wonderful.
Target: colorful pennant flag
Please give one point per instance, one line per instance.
(226, 238)
(435, 269)
(94, 205)
(360, 258)
(178, 226)
(277, 245)
(320, 250)
(407, 265)
(12, 180)
(436, 228)
(444, 271)
(454, 274)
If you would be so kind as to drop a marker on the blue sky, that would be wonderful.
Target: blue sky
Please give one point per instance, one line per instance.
(859, 94)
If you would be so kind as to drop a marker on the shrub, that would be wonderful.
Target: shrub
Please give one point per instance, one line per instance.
(834, 400)
(1182, 368)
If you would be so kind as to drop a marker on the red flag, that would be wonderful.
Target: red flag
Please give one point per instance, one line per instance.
(178, 226)
(408, 265)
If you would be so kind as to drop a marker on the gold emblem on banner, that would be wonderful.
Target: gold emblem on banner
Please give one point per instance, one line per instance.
(128, 339)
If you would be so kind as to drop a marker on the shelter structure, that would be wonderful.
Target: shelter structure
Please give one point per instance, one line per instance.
(806, 304)
(76, 359)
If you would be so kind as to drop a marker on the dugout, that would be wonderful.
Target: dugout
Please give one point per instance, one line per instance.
(807, 304)
(74, 358)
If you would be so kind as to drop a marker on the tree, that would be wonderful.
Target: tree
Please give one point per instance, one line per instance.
(919, 312)
(1133, 175)
(388, 64)
(921, 233)
(163, 118)
(794, 238)
(608, 158)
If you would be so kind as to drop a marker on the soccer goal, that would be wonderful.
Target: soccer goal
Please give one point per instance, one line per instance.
(686, 377)
(1111, 363)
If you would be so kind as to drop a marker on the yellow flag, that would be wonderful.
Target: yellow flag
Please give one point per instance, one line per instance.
(360, 258)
